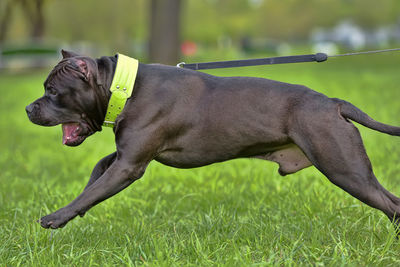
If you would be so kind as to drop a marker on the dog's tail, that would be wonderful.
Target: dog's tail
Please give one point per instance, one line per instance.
(349, 111)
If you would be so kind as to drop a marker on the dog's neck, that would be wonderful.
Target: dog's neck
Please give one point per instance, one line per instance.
(106, 70)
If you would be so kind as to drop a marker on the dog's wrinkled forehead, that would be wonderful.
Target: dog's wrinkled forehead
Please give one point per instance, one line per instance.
(65, 70)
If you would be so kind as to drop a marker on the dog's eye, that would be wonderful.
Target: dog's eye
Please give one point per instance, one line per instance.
(51, 91)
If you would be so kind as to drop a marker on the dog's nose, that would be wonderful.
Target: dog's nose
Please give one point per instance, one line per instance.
(30, 108)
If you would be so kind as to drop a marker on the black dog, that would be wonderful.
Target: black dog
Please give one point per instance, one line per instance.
(186, 119)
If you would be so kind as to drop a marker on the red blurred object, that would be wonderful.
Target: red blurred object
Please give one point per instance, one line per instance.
(189, 48)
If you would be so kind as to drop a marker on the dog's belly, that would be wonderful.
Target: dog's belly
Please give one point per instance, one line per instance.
(213, 142)
(289, 157)
(184, 160)
(196, 156)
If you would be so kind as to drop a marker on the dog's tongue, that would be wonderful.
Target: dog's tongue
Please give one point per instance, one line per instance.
(70, 132)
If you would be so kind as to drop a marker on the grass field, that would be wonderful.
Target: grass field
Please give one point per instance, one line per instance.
(236, 213)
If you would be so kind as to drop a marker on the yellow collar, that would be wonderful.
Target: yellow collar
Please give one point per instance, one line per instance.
(121, 87)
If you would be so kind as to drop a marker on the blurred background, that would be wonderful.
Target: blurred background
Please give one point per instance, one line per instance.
(236, 213)
(32, 32)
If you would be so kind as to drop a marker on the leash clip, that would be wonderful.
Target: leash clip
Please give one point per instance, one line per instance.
(180, 65)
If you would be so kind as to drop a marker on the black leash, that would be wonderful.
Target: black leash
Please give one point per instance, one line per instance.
(318, 57)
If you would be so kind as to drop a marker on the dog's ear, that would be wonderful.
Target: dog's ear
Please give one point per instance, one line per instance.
(81, 64)
(68, 54)
(86, 66)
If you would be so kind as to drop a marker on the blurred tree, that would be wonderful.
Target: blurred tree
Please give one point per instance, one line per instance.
(111, 26)
(7, 7)
(124, 25)
(164, 31)
(33, 12)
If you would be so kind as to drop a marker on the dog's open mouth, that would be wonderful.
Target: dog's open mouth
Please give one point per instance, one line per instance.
(71, 133)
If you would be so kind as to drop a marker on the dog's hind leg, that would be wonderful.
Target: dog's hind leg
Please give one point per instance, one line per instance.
(335, 147)
(101, 167)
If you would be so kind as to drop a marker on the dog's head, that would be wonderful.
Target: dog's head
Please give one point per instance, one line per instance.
(73, 97)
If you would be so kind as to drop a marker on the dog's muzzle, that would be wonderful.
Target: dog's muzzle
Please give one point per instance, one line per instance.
(31, 110)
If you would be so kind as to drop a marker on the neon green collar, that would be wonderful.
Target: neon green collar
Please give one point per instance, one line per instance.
(121, 87)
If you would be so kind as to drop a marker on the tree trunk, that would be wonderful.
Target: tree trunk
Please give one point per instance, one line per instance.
(5, 21)
(165, 31)
(38, 25)
(34, 13)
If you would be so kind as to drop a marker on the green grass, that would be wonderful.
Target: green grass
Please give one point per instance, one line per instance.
(237, 213)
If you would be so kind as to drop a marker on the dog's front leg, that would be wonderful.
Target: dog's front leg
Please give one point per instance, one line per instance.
(101, 167)
(99, 170)
(117, 177)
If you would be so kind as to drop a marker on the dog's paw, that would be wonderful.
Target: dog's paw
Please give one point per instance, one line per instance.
(55, 220)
